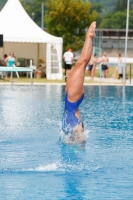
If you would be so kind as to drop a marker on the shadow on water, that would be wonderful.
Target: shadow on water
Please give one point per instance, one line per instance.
(73, 164)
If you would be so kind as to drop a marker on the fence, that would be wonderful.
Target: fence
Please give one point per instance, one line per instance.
(115, 64)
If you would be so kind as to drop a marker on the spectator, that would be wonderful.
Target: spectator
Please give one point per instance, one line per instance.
(118, 70)
(92, 66)
(10, 62)
(68, 58)
(3, 62)
(120, 66)
(104, 59)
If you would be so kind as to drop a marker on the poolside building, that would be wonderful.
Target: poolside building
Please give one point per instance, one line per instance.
(113, 42)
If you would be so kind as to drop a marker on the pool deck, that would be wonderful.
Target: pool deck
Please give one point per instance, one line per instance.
(88, 81)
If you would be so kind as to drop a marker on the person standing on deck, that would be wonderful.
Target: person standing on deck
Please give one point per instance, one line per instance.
(92, 66)
(104, 59)
(10, 62)
(68, 58)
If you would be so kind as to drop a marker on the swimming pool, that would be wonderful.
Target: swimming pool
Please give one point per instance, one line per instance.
(35, 164)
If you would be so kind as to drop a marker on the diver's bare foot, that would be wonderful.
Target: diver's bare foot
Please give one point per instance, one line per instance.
(91, 30)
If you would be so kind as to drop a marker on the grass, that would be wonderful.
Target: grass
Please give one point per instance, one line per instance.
(44, 80)
(35, 80)
(87, 80)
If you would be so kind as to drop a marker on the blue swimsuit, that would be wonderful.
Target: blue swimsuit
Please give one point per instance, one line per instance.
(11, 62)
(69, 120)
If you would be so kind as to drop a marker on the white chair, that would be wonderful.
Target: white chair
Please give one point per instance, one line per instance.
(34, 71)
(1, 74)
(17, 74)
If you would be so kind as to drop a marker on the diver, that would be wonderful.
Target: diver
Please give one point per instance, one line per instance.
(74, 91)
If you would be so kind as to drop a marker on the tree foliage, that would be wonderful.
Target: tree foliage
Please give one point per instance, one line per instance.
(121, 5)
(34, 6)
(98, 7)
(69, 19)
(117, 20)
(108, 5)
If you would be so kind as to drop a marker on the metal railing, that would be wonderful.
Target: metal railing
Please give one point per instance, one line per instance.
(115, 64)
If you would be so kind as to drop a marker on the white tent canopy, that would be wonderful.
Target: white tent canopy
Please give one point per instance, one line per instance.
(21, 33)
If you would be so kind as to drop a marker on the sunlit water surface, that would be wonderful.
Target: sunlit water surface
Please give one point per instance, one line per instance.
(35, 164)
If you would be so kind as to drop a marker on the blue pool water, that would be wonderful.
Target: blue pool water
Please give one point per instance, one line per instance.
(35, 164)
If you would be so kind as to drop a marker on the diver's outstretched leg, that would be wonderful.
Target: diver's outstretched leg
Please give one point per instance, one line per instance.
(74, 84)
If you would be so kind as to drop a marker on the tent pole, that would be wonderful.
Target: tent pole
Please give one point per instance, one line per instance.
(42, 22)
(126, 39)
(37, 53)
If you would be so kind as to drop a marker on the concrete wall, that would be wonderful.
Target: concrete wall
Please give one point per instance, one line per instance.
(115, 46)
(25, 50)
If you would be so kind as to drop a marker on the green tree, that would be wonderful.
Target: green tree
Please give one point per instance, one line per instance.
(120, 6)
(98, 7)
(117, 20)
(69, 19)
(34, 6)
(2, 3)
(117, 7)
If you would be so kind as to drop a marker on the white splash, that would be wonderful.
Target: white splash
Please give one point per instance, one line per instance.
(70, 139)
(46, 168)
(49, 167)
